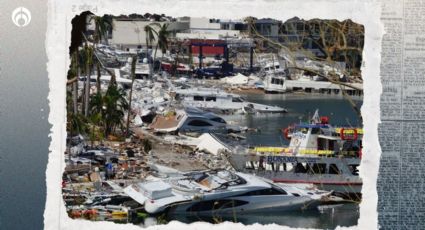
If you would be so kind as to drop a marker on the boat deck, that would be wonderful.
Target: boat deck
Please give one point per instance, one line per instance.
(166, 122)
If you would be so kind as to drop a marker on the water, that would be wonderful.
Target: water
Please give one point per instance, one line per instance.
(343, 215)
(300, 108)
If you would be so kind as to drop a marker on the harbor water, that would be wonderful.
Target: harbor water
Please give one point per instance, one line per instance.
(300, 109)
(329, 218)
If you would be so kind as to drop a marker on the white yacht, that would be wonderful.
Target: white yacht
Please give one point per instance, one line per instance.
(220, 101)
(318, 154)
(273, 70)
(221, 192)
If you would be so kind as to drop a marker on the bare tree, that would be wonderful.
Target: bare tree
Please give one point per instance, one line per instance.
(336, 39)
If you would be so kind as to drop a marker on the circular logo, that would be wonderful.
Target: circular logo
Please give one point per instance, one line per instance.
(21, 17)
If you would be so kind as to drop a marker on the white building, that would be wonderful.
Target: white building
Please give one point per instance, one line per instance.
(130, 33)
(204, 28)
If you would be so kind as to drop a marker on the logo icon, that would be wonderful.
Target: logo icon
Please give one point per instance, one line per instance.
(21, 17)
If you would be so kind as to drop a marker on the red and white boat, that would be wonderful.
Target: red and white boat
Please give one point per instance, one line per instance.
(319, 154)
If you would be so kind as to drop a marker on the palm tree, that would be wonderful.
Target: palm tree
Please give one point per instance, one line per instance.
(73, 80)
(115, 104)
(77, 124)
(150, 37)
(87, 60)
(162, 43)
(96, 120)
(102, 25)
(96, 113)
(179, 46)
(133, 76)
(96, 103)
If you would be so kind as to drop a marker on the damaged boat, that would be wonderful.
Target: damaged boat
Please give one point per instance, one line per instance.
(221, 192)
(318, 154)
(191, 120)
(219, 101)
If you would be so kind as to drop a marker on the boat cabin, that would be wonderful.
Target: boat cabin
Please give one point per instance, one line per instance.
(303, 165)
(323, 139)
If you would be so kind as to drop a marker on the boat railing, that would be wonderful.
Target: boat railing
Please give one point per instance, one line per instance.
(264, 151)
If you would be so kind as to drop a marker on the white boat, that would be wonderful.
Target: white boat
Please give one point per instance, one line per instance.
(189, 120)
(339, 175)
(274, 73)
(280, 83)
(275, 82)
(221, 192)
(318, 154)
(143, 68)
(219, 101)
(297, 72)
(270, 63)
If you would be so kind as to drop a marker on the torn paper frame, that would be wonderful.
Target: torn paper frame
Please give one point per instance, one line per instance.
(58, 39)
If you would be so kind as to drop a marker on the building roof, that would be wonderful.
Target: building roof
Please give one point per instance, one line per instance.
(267, 20)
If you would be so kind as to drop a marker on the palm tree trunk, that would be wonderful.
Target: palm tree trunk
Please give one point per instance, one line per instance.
(154, 55)
(71, 132)
(87, 91)
(113, 80)
(93, 136)
(75, 96)
(147, 57)
(160, 64)
(76, 82)
(133, 74)
(176, 62)
(98, 76)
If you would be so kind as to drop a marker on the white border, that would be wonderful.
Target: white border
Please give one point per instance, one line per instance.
(60, 14)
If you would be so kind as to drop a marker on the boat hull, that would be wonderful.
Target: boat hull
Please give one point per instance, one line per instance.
(337, 187)
(244, 205)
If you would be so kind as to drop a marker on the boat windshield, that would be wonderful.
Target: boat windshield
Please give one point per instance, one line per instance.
(278, 189)
(213, 181)
(237, 99)
(274, 190)
(354, 170)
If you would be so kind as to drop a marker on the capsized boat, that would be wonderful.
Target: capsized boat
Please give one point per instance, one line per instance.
(221, 192)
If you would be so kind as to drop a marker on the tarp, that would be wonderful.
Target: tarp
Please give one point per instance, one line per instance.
(138, 121)
(238, 79)
(209, 143)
